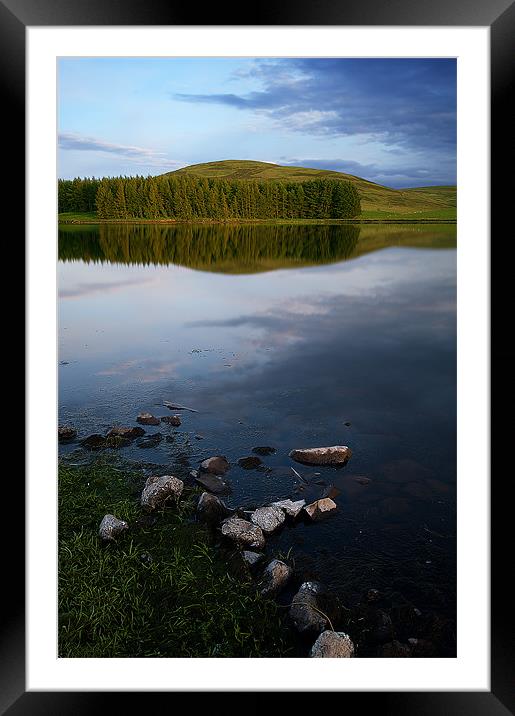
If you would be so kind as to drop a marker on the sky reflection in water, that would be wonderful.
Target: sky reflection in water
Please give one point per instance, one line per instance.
(285, 358)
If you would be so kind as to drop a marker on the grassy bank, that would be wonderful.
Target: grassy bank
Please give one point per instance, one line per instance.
(372, 217)
(163, 589)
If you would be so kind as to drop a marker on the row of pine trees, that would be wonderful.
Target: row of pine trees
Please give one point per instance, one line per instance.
(187, 197)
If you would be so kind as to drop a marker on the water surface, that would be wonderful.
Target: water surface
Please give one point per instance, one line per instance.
(281, 336)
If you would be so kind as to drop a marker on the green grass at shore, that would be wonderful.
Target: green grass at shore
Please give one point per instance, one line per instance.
(366, 217)
(189, 600)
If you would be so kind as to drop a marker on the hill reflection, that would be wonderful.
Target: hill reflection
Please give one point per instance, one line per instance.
(239, 248)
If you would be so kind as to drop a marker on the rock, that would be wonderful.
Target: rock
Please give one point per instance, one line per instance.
(275, 577)
(333, 644)
(244, 533)
(394, 649)
(211, 509)
(319, 508)
(129, 433)
(335, 455)
(252, 558)
(159, 489)
(213, 484)
(174, 420)
(264, 450)
(216, 465)
(292, 509)
(303, 611)
(268, 518)
(150, 441)
(94, 441)
(373, 595)
(249, 463)
(381, 628)
(147, 419)
(111, 527)
(361, 479)
(330, 491)
(65, 432)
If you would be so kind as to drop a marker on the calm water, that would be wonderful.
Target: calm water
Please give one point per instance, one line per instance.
(279, 336)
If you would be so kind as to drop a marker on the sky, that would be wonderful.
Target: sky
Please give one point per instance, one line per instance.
(391, 121)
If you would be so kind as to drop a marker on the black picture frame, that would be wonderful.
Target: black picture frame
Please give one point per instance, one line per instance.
(499, 15)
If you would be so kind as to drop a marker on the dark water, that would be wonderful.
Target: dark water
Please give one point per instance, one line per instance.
(279, 336)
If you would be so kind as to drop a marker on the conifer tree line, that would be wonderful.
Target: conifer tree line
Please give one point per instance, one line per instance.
(187, 197)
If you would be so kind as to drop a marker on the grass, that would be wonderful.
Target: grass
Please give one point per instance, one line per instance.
(162, 590)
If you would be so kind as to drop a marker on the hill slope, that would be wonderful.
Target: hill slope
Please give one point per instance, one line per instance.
(377, 201)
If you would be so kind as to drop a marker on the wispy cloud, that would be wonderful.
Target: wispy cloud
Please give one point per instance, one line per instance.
(87, 289)
(139, 155)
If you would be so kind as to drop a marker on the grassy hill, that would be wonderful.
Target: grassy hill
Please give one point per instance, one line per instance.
(377, 201)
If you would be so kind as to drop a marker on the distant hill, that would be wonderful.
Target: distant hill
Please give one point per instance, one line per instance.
(377, 201)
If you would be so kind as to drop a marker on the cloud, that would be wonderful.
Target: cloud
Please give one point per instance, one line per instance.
(89, 289)
(408, 103)
(139, 155)
(398, 176)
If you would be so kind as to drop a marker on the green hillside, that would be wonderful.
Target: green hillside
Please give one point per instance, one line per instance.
(377, 201)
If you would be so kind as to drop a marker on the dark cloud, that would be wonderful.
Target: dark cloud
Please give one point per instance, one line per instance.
(407, 104)
(395, 177)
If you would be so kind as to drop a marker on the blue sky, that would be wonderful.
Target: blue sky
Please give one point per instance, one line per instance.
(392, 121)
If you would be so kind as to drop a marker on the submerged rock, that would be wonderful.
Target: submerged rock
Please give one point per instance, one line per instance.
(211, 509)
(129, 433)
(174, 420)
(216, 465)
(264, 450)
(394, 649)
(213, 484)
(335, 455)
(275, 577)
(159, 489)
(252, 558)
(292, 509)
(319, 508)
(111, 527)
(150, 441)
(65, 433)
(94, 441)
(333, 644)
(268, 518)
(147, 419)
(244, 533)
(249, 463)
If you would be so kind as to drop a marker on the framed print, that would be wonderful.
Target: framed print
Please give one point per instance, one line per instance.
(285, 275)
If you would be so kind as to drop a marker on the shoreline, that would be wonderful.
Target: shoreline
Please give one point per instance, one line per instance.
(258, 222)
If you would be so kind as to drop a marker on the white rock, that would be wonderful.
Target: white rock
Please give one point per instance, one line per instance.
(333, 644)
(111, 527)
(334, 455)
(243, 532)
(268, 518)
(159, 489)
(289, 507)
